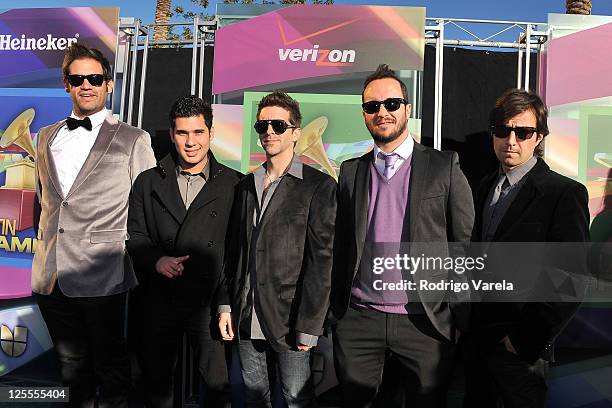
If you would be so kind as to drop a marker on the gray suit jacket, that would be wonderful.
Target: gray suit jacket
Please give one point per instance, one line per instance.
(81, 237)
(440, 210)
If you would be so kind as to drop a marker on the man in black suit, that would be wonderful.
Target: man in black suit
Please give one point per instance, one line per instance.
(279, 261)
(177, 223)
(522, 201)
(400, 192)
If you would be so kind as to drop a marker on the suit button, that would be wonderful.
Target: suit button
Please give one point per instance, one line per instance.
(61, 230)
(213, 214)
(210, 243)
(65, 204)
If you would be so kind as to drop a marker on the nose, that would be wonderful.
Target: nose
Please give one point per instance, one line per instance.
(269, 130)
(512, 138)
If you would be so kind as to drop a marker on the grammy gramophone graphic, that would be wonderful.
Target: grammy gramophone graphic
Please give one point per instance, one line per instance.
(310, 144)
(17, 193)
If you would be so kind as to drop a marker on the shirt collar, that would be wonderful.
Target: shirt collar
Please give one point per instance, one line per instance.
(294, 168)
(516, 174)
(205, 173)
(404, 150)
(96, 119)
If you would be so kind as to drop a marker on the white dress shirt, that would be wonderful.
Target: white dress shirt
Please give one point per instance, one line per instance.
(403, 151)
(70, 149)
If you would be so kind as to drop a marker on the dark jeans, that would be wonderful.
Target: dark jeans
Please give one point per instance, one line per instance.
(259, 363)
(163, 324)
(495, 375)
(363, 339)
(88, 335)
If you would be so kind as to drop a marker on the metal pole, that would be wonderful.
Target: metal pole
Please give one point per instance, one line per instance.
(133, 72)
(519, 68)
(143, 78)
(413, 100)
(194, 55)
(438, 116)
(126, 58)
(527, 55)
(202, 49)
(112, 98)
(436, 86)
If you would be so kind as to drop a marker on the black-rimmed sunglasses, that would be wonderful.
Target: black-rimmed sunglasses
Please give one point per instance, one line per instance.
(278, 126)
(391, 105)
(93, 79)
(521, 132)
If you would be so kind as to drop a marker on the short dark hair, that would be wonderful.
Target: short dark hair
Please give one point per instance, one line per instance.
(191, 106)
(79, 51)
(516, 101)
(282, 100)
(383, 71)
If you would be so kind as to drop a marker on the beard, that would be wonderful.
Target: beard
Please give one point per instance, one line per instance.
(391, 137)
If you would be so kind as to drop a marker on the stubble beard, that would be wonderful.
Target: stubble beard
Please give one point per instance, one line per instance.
(379, 139)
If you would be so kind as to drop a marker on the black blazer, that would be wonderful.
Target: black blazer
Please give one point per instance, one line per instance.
(159, 224)
(294, 256)
(548, 208)
(440, 210)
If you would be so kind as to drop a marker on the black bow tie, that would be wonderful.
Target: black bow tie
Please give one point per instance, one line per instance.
(73, 123)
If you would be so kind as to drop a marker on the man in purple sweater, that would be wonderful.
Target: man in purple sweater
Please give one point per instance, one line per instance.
(400, 192)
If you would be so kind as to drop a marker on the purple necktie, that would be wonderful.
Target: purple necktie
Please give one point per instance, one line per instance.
(390, 160)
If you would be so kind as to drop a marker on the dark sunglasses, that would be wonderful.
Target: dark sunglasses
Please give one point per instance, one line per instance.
(391, 105)
(278, 126)
(521, 132)
(93, 79)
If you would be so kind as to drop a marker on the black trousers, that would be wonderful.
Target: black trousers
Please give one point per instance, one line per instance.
(365, 339)
(88, 335)
(493, 376)
(163, 324)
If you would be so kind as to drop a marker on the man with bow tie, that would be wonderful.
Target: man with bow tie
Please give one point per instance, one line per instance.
(81, 273)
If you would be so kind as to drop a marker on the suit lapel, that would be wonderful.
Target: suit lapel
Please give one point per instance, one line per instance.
(418, 173)
(250, 204)
(278, 199)
(525, 197)
(168, 192)
(48, 159)
(479, 205)
(107, 132)
(211, 189)
(362, 189)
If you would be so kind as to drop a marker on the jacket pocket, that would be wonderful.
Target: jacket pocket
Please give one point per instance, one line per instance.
(99, 237)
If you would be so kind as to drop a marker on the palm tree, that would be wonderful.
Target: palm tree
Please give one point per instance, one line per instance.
(162, 15)
(578, 6)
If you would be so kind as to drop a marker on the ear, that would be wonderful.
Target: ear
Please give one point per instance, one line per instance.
(171, 135)
(296, 134)
(408, 110)
(211, 133)
(539, 139)
(109, 86)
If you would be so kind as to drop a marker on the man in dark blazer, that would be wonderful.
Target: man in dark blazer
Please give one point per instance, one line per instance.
(177, 222)
(400, 192)
(279, 262)
(81, 274)
(522, 201)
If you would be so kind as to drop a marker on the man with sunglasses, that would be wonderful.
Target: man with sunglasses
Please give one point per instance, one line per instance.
(400, 192)
(85, 167)
(279, 260)
(510, 344)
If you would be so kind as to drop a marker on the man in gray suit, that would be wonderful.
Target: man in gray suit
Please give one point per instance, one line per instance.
(400, 192)
(85, 168)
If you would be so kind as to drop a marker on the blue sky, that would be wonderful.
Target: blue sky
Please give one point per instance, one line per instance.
(515, 10)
